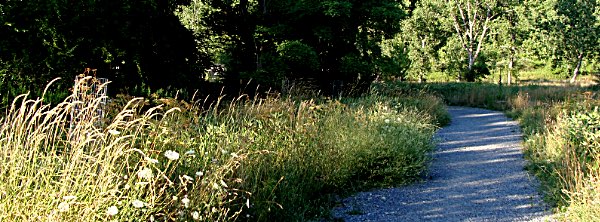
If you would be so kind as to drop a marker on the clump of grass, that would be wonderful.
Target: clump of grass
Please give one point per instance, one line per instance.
(130, 168)
(245, 159)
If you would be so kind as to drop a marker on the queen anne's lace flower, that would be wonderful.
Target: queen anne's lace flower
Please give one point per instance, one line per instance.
(195, 215)
(138, 204)
(185, 201)
(63, 207)
(171, 155)
(150, 160)
(145, 173)
(112, 211)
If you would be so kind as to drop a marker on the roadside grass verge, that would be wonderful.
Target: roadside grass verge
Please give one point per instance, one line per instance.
(561, 126)
(264, 159)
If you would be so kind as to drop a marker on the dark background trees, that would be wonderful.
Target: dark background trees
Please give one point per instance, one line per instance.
(133, 43)
(170, 44)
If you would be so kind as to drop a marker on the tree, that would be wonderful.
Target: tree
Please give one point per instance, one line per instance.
(577, 31)
(472, 20)
(394, 62)
(508, 35)
(425, 32)
(253, 30)
(131, 43)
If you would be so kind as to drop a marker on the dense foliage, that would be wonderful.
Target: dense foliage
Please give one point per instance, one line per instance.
(334, 43)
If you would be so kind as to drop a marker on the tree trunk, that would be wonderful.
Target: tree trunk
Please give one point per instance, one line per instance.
(510, 70)
(470, 75)
(576, 71)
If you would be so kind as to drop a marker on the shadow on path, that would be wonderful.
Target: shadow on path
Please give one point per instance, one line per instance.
(477, 175)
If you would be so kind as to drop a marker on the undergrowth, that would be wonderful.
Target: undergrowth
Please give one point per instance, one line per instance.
(263, 159)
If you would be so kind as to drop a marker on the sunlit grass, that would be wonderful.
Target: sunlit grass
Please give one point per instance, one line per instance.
(257, 159)
(561, 130)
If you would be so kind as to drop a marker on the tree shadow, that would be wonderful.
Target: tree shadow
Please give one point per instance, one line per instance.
(477, 175)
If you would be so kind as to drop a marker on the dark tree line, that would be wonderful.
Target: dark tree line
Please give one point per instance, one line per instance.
(133, 43)
(171, 43)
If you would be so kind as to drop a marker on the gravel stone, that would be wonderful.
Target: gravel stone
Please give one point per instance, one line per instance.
(477, 174)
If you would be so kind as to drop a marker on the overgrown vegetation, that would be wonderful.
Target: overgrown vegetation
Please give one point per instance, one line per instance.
(260, 159)
(561, 125)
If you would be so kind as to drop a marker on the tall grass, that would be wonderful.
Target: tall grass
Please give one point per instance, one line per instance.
(561, 127)
(247, 159)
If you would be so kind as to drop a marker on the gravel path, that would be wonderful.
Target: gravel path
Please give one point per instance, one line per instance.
(477, 175)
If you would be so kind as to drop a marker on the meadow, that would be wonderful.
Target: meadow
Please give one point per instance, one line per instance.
(561, 126)
(260, 158)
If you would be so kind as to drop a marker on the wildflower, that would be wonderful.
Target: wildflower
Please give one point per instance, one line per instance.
(387, 121)
(138, 204)
(150, 160)
(171, 155)
(234, 155)
(114, 132)
(67, 198)
(63, 207)
(189, 178)
(199, 174)
(185, 201)
(223, 184)
(195, 215)
(112, 211)
(175, 198)
(145, 173)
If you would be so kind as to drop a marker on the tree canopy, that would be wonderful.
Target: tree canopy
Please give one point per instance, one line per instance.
(172, 43)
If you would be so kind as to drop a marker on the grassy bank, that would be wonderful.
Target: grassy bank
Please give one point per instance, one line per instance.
(561, 125)
(248, 159)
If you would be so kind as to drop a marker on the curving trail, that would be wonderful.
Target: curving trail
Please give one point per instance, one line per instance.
(477, 175)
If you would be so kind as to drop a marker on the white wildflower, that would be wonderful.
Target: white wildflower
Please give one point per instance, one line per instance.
(171, 155)
(195, 215)
(114, 132)
(150, 160)
(67, 198)
(387, 121)
(138, 204)
(189, 178)
(145, 173)
(112, 211)
(175, 198)
(199, 174)
(63, 207)
(186, 202)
